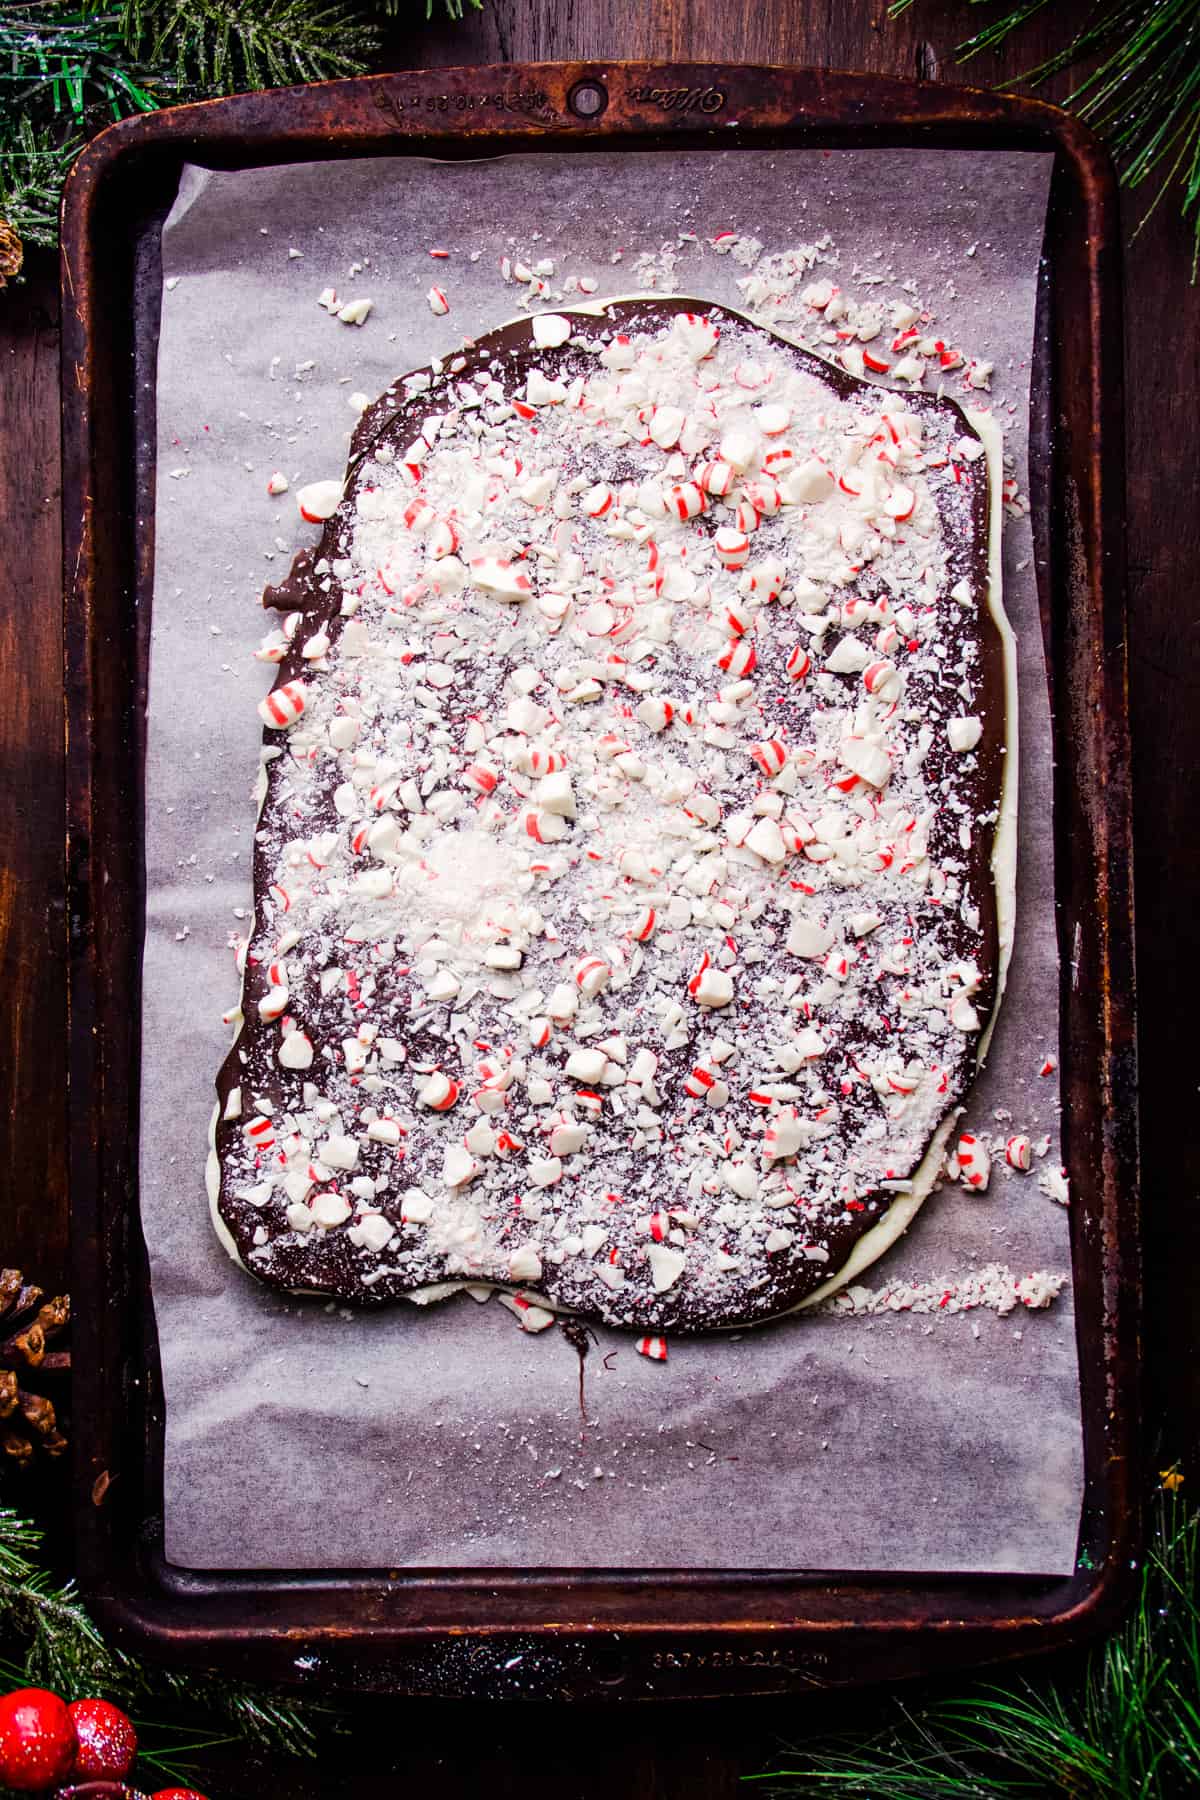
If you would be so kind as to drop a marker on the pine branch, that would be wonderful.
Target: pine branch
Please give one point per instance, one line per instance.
(33, 167)
(1128, 1730)
(227, 46)
(1144, 95)
(62, 61)
(57, 1646)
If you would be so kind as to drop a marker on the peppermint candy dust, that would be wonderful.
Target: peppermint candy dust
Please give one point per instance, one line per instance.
(625, 921)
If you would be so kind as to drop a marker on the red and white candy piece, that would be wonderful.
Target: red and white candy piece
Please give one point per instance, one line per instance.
(974, 1163)
(592, 974)
(900, 503)
(277, 482)
(686, 500)
(770, 756)
(696, 333)
(439, 1093)
(732, 547)
(543, 826)
(482, 777)
(710, 986)
(1018, 1153)
(644, 925)
(260, 1132)
(438, 302)
(655, 713)
(274, 1002)
(283, 705)
(716, 477)
(319, 500)
(738, 658)
(598, 501)
(799, 663)
(883, 680)
(653, 1347)
(443, 540)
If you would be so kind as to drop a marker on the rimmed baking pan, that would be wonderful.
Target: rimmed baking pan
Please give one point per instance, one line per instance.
(570, 1632)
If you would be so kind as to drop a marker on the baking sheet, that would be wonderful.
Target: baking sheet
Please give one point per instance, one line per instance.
(303, 1435)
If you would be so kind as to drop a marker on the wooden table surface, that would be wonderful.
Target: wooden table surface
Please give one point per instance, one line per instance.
(653, 1754)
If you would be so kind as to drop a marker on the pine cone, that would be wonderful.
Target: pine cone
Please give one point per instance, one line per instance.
(12, 252)
(29, 1324)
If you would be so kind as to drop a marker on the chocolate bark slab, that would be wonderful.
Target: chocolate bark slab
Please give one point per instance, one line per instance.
(671, 1212)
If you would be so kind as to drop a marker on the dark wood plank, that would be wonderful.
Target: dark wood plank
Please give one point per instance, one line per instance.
(32, 932)
(659, 1755)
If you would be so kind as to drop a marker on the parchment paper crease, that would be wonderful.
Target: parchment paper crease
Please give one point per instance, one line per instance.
(300, 1435)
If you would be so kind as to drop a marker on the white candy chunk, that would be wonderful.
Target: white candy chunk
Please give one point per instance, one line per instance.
(556, 795)
(328, 1210)
(738, 448)
(666, 425)
(809, 1044)
(277, 482)
(766, 840)
(319, 500)
(371, 1232)
(666, 1266)
(338, 1152)
(383, 1131)
(863, 923)
(296, 1051)
(772, 418)
(355, 312)
(274, 1003)
(868, 761)
(741, 1179)
(962, 1013)
(964, 734)
(458, 1166)
(566, 1139)
(416, 1208)
(508, 581)
(807, 484)
(541, 391)
(525, 1264)
(343, 731)
(502, 956)
(714, 987)
(849, 656)
(550, 330)
(808, 938)
(544, 1171)
(586, 1065)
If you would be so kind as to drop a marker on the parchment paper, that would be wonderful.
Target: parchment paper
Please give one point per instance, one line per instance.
(302, 1435)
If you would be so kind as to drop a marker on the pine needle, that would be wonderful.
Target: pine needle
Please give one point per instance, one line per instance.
(1128, 1729)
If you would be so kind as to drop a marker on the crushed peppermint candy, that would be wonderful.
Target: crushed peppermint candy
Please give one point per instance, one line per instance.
(622, 904)
(994, 1287)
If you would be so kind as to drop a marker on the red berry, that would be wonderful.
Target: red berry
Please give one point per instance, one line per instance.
(37, 1740)
(107, 1740)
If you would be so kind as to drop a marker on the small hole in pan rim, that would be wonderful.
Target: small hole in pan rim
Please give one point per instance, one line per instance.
(587, 99)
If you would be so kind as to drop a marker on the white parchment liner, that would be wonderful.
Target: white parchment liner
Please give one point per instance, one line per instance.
(300, 1435)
